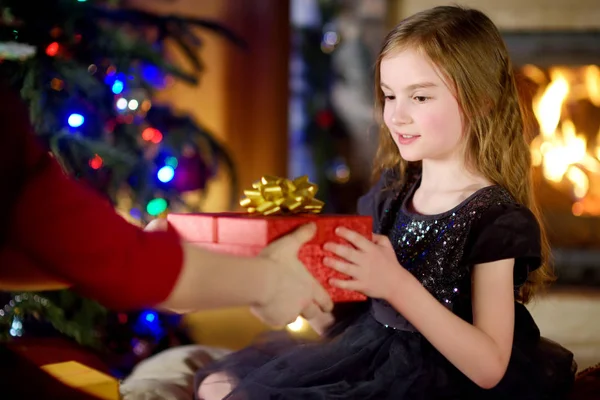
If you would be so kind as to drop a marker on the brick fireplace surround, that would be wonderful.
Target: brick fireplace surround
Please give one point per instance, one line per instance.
(541, 15)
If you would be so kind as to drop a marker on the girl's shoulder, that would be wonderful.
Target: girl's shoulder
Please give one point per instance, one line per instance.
(494, 209)
(505, 230)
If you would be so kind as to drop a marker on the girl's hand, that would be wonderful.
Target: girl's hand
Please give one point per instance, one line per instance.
(371, 265)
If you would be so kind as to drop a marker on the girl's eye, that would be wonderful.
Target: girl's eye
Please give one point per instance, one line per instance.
(421, 99)
(389, 97)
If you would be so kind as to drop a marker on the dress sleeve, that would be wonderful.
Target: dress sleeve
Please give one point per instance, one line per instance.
(506, 231)
(66, 229)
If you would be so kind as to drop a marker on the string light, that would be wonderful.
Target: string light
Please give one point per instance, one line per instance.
(9, 314)
(171, 161)
(133, 104)
(57, 84)
(117, 87)
(96, 162)
(148, 133)
(149, 316)
(297, 325)
(135, 213)
(156, 206)
(52, 49)
(157, 138)
(146, 104)
(152, 135)
(166, 174)
(75, 120)
(16, 328)
(121, 104)
(148, 323)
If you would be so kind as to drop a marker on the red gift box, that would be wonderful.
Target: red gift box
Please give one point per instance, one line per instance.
(246, 235)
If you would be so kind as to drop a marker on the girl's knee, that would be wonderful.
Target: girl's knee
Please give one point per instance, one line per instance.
(216, 386)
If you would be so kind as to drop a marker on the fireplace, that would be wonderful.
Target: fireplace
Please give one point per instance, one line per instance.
(563, 68)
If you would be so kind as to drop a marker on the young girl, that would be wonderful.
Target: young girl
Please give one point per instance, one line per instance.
(459, 247)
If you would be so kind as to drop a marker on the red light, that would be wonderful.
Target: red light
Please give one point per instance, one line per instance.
(157, 137)
(96, 162)
(152, 135)
(52, 49)
(148, 134)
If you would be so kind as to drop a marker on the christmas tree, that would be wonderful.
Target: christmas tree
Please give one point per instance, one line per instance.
(314, 125)
(321, 142)
(89, 71)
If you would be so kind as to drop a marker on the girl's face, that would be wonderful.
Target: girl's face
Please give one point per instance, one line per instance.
(420, 111)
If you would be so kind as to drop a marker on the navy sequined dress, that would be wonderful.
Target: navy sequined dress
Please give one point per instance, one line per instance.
(374, 353)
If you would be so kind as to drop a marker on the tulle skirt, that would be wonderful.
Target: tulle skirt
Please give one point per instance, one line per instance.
(371, 361)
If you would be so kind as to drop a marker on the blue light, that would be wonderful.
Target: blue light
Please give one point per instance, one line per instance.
(135, 213)
(150, 316)
(117, 87)
(153, 75)
(149, 323)
(111, 78)
(75, 120)
(166, 173)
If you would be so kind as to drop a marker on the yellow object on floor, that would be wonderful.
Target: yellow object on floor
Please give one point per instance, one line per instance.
(85, 379)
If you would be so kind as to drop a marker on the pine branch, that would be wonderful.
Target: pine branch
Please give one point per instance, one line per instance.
(165, 22)
(39, 307)
(128, 49)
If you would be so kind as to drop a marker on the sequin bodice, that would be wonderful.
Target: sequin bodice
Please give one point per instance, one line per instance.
(431, 247)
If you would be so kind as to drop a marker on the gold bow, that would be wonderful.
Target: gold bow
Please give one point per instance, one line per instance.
(274, 195)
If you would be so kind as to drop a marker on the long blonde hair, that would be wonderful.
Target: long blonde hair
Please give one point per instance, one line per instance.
(468, 49)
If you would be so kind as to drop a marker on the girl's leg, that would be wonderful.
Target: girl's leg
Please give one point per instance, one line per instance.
(216, 386)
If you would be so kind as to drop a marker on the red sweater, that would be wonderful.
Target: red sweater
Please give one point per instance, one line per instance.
(64, 228)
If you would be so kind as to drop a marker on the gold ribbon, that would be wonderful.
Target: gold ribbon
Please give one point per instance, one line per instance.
(274, 195)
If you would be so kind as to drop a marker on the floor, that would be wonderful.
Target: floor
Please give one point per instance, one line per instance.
(571, 317)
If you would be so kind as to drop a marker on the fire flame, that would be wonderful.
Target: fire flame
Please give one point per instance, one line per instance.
(561, 150)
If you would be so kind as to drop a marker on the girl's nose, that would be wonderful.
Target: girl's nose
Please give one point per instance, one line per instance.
(400, 116)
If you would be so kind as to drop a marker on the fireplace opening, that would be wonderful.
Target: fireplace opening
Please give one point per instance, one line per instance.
(567, 148)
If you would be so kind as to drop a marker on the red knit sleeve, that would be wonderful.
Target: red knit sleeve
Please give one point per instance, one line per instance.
(65, 227)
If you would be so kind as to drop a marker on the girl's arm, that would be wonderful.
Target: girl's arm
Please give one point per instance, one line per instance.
(480, 350)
